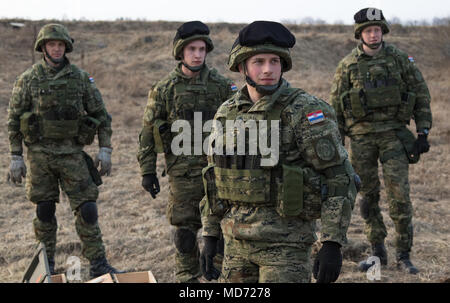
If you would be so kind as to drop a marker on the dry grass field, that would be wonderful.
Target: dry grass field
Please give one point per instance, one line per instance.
(126, 58)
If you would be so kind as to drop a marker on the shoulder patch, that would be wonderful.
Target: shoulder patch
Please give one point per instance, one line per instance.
(91, 79)
(233, 87)
(315, 117)
(411, 59)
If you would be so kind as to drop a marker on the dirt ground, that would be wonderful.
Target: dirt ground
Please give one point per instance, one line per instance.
(126, 58)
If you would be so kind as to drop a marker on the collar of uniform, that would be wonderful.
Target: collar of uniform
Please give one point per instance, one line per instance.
(266, 103)
(53, 72)
(200, 79)
(360, 52)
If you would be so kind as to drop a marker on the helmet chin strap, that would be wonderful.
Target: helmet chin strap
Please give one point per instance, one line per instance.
(193, 69)
(374, 45)
(262, 89)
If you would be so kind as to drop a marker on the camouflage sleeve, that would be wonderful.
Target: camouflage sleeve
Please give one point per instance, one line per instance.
(19, 103)
(416, 83)
(95, 107)
(211, 215)
(321, 148)
(154, 110)
(339, 85)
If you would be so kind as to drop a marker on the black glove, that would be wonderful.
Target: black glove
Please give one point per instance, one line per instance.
(421, 145)
(328, 263)
(206, 258)
(150, 183)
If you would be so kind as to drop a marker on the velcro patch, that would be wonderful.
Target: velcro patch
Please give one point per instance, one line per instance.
(315, 117)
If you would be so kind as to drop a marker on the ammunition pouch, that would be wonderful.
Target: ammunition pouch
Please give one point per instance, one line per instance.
(406, 108)
(88, 130)
(290, 192)
(213, 203)
(29, 127)
(162, 136)
(407, 139)
(383, 96)
(95, 175)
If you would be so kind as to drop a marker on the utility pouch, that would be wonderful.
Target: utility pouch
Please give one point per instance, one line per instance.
(59, 129)
(383, 96)
(161, 135)
(355, 95)
(406, 108)
(88, 130)
(210, 189)
(95, 175)
(29, 127)
(290, 197)
(408, 139)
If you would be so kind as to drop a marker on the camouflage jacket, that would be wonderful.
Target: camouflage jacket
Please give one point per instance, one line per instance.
(41, 90)
(251, 203)
(178, 97)
(379, 93)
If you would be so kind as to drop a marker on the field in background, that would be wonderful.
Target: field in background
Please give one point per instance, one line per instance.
(126, 58)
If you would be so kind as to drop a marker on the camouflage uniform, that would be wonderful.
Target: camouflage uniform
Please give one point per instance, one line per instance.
(374, 98)
(267, 213)
(48, 110)
(173, 98)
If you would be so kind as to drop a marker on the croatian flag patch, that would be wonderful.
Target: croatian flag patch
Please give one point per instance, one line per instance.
(233, 87)
(410, 58)
(91, 79)
(315, 117)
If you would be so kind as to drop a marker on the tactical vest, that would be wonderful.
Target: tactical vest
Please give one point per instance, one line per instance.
(58, 109)
(240, 179)
(377, 91)
(187, 100)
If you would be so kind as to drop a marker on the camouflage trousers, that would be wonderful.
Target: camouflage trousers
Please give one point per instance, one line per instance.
(253, 261)
(47, 173)
(366, 150)
(185, 194)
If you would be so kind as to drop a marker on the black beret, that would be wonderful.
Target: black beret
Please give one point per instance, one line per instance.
(361, 16)
(191, 28)
(260, 32)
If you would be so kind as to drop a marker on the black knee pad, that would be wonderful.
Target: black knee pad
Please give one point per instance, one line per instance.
(185, 240)
(45, 211)
(89, 212)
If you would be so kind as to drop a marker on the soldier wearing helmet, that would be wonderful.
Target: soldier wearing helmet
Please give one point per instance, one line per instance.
(56, 109)
(191, 89)
(376, 91)
(267, 210)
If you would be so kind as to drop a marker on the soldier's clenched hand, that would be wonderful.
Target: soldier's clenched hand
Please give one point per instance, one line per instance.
(151, 184)
(328, 263)
(104, 156)
(17, 169)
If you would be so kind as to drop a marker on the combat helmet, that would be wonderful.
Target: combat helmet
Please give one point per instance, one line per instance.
(54, 32)
(188, 32)
(367, 17)
(262, 37)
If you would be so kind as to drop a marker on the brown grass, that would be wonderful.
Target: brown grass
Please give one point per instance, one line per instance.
(126, 58)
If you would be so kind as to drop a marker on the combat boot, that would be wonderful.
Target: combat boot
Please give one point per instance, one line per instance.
(404, 263)
(51, 266)
(100, 267)
(378, 250)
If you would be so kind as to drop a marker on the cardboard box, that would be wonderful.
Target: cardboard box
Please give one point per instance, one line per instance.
(102, 279)
(135, 277)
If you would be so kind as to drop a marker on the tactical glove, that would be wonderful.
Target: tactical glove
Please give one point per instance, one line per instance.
(17, 169)
(421, 145)
(150, 183)
(328, 263)
(104, 156)
(206, 258)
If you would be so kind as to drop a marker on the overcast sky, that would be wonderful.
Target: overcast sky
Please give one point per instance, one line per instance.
(244, 11)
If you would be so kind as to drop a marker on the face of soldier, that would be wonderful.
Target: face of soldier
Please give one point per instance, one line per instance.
(56, 49)
(194, 53)
(264, 69)
(372, 34)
